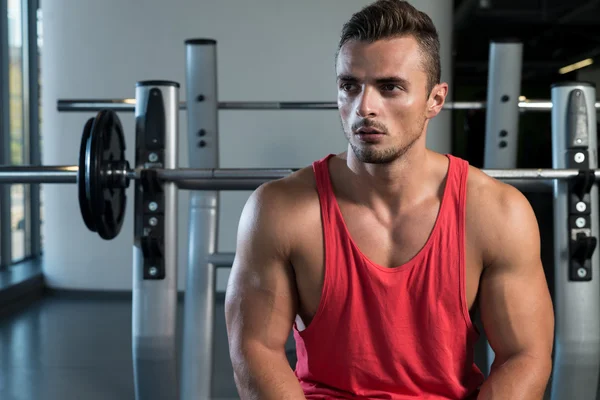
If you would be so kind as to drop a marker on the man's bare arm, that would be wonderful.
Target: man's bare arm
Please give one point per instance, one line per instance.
(261, 300)
(516, 308)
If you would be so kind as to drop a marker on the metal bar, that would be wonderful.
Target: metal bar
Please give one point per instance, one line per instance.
(225, 174)
(202, 177)
(529, 180)
(221, 184)
(128, 105)
(35, 174)
(273, 105)
(534, 174)
(221, 259)
(528, 183)
(125, 105)
(5, 200)
(182, 174)
(215, 184)
(35, 153)
(539, 105)
(464, 105)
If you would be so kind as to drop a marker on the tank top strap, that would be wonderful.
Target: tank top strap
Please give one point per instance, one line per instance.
(455, 235)
(324, 188)
(456, 195)
(457, 177)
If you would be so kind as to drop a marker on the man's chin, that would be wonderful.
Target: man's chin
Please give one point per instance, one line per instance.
(369, 155)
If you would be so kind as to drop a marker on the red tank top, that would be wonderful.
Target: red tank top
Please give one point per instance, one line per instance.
(391, 333)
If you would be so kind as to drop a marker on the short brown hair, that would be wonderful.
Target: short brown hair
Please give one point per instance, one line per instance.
(395, 18)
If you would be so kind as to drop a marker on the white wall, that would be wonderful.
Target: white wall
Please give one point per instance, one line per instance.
(267, 50)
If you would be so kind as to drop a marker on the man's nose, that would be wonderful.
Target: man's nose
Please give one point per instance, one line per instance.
(368, 103)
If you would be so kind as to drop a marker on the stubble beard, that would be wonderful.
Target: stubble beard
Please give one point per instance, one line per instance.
(370, 154)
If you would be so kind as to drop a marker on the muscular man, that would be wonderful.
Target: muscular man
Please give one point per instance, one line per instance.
(376, 257)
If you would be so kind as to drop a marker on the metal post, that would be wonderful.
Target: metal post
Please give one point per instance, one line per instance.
(576, 294)
(5, 200)
(203, 145)
(502, 112)
(31, 122)
(502, 115)
(155, 250)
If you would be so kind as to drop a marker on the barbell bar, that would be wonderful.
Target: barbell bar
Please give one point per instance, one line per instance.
(128, 105)
(38, 174)
(209, 178)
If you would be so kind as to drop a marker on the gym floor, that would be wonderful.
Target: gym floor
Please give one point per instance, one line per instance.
(78, 346)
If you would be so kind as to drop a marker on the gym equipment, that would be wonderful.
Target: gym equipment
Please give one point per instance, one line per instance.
(155, 243)
(202, 120)
(577, 333)
(102, 176)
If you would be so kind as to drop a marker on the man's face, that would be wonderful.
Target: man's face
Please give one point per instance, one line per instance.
(382, 97)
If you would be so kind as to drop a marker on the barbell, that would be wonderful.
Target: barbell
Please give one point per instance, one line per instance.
(103, 175)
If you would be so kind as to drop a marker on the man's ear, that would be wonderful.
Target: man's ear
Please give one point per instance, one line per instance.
(437, 99)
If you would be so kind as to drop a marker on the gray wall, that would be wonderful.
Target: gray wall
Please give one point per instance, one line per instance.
(267, 50)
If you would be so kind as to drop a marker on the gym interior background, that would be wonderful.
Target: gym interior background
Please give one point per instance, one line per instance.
(65, 299)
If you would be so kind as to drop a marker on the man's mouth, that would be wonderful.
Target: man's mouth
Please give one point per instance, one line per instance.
(369, 135)
(369, 131)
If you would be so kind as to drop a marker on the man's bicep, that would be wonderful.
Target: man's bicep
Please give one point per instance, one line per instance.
(260, 303)
(515, 304)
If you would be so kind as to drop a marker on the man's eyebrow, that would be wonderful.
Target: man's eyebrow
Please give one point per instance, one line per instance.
(346, 78)
(392, 79)
(382, 80)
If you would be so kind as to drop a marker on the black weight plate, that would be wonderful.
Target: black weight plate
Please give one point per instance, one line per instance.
(84, 204)
(105, 148)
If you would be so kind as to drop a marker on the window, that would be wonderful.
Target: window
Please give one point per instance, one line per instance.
(22, 139)
(17, 142)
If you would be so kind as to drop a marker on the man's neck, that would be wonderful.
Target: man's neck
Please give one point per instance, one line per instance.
(401, 182)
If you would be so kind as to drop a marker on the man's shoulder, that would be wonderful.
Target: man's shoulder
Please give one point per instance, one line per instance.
(489, 194)
(497, 212)
(295, 186)
(287, 197)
